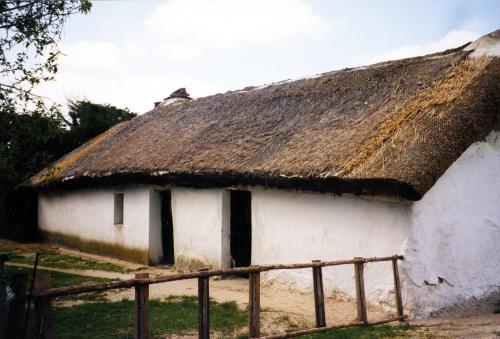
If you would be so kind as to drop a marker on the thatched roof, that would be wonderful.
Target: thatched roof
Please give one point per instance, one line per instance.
(392, 128)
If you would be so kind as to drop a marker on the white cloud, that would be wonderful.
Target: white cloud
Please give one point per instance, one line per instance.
(452, 39)
(185, 29)
(135, 92)
(92, 56)
(138, 71)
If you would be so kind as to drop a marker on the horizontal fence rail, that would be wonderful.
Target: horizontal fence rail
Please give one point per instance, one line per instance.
(93, 287)
(44, 294)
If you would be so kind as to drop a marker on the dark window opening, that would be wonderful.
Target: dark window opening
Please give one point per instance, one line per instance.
(241, 228)
(167, 228)
(118, 211)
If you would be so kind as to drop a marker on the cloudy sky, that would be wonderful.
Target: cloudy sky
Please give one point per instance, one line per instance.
(133, 53)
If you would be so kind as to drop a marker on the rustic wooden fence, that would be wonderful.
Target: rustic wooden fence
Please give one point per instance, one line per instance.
(44, 294)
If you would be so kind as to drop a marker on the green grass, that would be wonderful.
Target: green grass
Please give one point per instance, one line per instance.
(50, 258)
(99, 318)
(63, 279)
(368, 332)
(58, 279)
(171, 316)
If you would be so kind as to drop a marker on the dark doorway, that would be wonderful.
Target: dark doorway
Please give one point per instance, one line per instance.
(167, 228)
(241, 228)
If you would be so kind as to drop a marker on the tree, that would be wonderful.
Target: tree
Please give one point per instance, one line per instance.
(30, 142)
(33, 135)
(27, 143)
(89, 119)
(29, 33)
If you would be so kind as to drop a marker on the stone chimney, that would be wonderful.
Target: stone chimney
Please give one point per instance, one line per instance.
(180, 93)
(178, 96)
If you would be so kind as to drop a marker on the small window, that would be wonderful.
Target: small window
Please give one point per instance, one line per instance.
(118, 209)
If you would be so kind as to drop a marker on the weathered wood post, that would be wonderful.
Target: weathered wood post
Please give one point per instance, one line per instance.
(43, 307)
(254, 304)
(319, 299)
(3, 296)
(203, 307)
(397, 287)
(17, 309)
(141, 308)
(359, 279)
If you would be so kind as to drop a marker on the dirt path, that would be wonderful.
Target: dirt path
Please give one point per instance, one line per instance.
(482, 326)
(476, 318)
(86, 273)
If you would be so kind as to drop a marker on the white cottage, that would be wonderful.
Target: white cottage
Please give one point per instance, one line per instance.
(398, 157)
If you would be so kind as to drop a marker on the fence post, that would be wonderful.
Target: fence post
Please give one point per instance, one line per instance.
(254, 304)
(319, 299)
(141, 308)
(203, 307)
(18, 305)
(397, 287)
(360, 289)
(43, 307)
(3, 297)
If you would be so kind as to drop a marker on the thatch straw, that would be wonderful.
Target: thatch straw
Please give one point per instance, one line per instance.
(55, 170)
(390, 128)
(427, 102)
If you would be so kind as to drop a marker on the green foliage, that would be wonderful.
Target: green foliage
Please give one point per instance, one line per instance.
(29, 33)
(89, 119)
(29, 141)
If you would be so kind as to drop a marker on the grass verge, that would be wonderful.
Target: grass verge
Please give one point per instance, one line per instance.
(170, 316)
(58, 279)
(49, 258)
(369, 332)
(63, 279)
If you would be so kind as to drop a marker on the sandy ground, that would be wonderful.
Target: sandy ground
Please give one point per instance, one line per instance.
(472, 319)
(283, 307)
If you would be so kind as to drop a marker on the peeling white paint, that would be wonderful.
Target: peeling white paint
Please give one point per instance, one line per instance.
(454, 243)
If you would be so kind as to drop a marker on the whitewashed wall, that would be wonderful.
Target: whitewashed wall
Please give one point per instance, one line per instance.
(155, 236)
(454, 243)
(201, 227)
(291, 227)
(88, 214)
